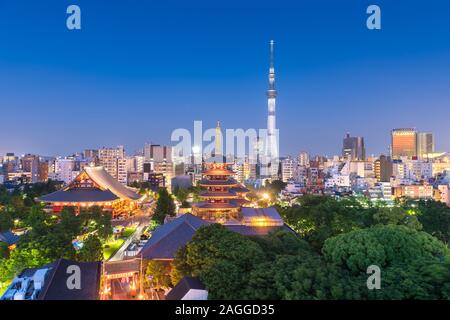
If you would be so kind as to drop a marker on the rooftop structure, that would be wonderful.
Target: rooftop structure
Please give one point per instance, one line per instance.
(168, 238)
(188, 288)
(50, 282)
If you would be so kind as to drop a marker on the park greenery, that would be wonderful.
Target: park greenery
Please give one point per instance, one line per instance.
(48, 237)
(336, 241)
(165, 206)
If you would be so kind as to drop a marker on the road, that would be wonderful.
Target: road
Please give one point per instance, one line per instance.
(119, 255)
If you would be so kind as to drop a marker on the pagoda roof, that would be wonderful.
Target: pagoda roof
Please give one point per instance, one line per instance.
(229, 182)
(239, 189)
(214, 194)
(218, 172)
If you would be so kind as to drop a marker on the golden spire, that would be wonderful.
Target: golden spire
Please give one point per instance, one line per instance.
(218, 147)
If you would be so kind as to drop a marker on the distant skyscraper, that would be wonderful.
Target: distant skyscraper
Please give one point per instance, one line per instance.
(425, 144)
(403, 143)
(353, 148)
(272, 143)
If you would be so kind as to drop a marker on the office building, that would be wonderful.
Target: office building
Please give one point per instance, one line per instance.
(353, 148)
(403, 143)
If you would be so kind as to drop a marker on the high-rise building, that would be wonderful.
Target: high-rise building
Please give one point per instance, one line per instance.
(63, 169)
(383, 169)
(287, 169)
(303, 159)
(160, 161)
(272, 139)
(114, 162)
(353, 148)
(157, 153)
(90, 154)
(30, 163)
(403, 143)
(425, 144)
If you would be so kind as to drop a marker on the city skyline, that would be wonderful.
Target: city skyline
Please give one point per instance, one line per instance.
(334, 77)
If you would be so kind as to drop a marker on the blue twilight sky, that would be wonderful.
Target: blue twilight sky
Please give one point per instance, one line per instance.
(140, 68)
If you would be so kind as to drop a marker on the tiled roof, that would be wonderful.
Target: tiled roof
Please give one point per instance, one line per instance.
(109, 189)
(104, 179)
(8, 237)
(79, 195)
(169, 237)
(183, 286)
(56, 285)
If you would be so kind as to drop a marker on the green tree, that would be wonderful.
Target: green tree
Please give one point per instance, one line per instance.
(157, 274)
(310, 278)
(4, 251)
(396, 215)
(6, 221)
(180, 266)
(21, 259)
(221, 259)
(181, 193)
(381, 245)
(104, 226)
(318, 218)
(69, 223)
(92, 250)
(164, 206)
(435, 218)
(37, 220)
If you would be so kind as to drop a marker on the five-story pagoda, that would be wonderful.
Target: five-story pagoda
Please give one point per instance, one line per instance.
(222, 196)
(221, 203)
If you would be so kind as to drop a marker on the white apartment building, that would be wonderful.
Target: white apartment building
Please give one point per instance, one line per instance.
(114, 162)
(62, 169)
(287, 169)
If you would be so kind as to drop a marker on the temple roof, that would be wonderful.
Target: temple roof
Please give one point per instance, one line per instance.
(106, 181)
(80, 195)
(104, 189)
(169, 237)
(253, 231)
(261, 216)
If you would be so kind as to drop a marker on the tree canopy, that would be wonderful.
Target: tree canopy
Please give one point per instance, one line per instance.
(164, 206)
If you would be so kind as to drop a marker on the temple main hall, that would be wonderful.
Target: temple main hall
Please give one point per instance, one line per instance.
(93, 187)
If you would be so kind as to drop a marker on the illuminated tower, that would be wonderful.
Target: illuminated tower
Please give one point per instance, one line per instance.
(272, 137)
